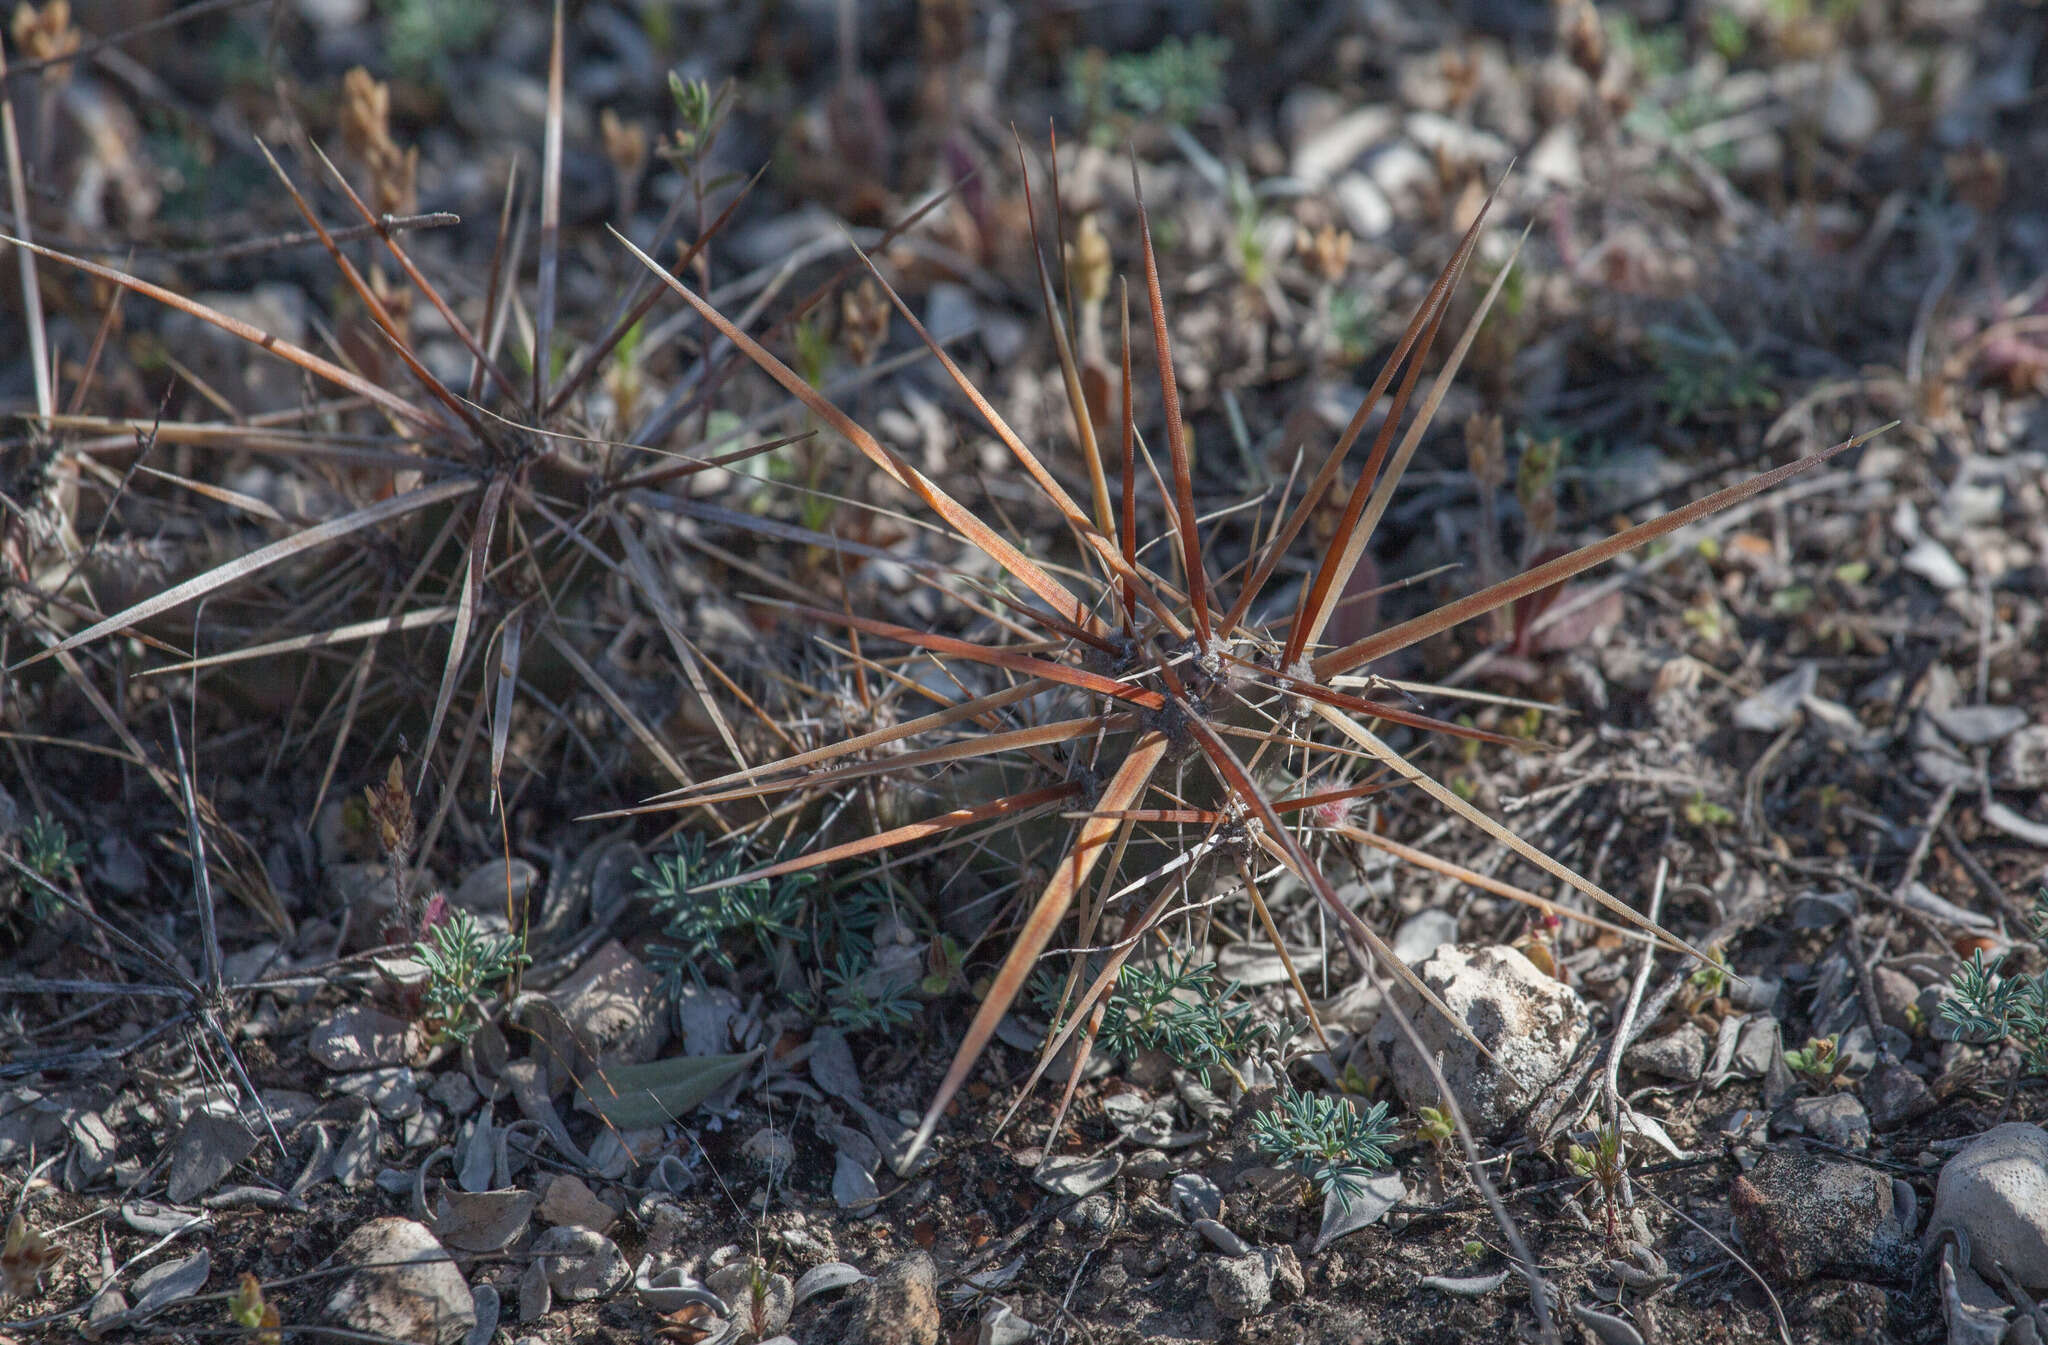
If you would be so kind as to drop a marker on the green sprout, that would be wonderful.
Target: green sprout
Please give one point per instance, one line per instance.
(712, 927)
(1988, 1007)
(1335, 1145)
(1818, 1062)
(50, 851)
(463, 962)
(1605, 1164)
(1174, 1008)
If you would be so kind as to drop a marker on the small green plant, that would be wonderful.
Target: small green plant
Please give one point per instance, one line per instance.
(463, 963)
(1174, 82)
(1337, 1146)
(1704, 371)
(1817, 1062)
(1989, 1008)
(420, 35)
(1702, 812)
(1604, 1164)
(714, 928)
(1175, 1008)
(50, 851)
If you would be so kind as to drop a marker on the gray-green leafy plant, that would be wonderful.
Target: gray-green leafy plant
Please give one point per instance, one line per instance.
(464, 962)
(1989, 1007)
(1330, 1141)
(1175, 82)
(46, 848)
(1176, 1008)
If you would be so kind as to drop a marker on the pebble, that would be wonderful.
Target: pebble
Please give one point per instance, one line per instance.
(1680, 1055)
(1421, 934)
(568, 1201)
(394, 1090)
(1240, 1287)
(483, 889)
(1532, 1024)
(2023, 764)
(581, 1264)
(1803, 1216)
(403, 1285)
(1850, 113)
(903, 1303)
(1326, 152)
(612, 1003)
(1996, 1191)
(1367, 212)
(739, 1282)
(1838, 1118)
(1979, 725)
(1221, 1238)
(207, 1149)
(1895, 1095)
(361, 1038)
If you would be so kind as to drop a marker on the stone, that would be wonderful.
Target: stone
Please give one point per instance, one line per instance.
(614, 1005)
(403, 1285)
(1895, 1095)
(1240, 1287)
(1979, 725)
(1802, 1216)
(485, 886)
(903, 1303)
(1289, 1283)
(1532, 1024)
(1850, 111)
(580, 1264)
(1555, 158)
(1196, 1197)
(1756, 1047)
(1897, 994)
(1996, 1192)
(1680, 1055)
(568, 1201)
(1837, 1118)
(760, 1301)
(362, 1038)
(1421, 934)
(207, 1149)
(2023, 762)
(1321, 155)
(1367, 212)
(1221, 1238)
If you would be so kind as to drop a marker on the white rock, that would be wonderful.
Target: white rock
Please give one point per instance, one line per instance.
(615, 1005)
(1367, 211)
(1850, 113)
(361, 1038)
(1324, 153)
(485, 886)
(1454, 140)
(1402, 172)
(403, 1286)
(332, 15)
(1530, 1022)
(1555, 158)
(1240, 1286)
(2024, 762)
(1996, 1191)
(580, 1264)
(1423, 933)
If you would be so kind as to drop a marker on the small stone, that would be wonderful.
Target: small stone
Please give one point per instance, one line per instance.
(361, 1038)
(2023, 763)
(1289, 1283)
(1555, 158)
(1532, 1024)
(1936, 564)
(1680, 1055)
(758, 1300)
(393, 1091)
(1837, 1118)
(612, 1002)
(1078, 1176)
(1330, 149)
(208, 1148)
(486, 885)
(580, 1264)
(1241, 1287)
(333, 15)
(1367, 212)
(403, 1285)
(1756, 1047)
(1842, 1310)
(1897, 994)
(1801, 1216)
(454, 1091)
(903, 1303)
(1850, 113)
(1421, 934)
(568, 1201)
(1895, 1095)
(1091, 1215)
(1996, 1191)
(1149, 1165)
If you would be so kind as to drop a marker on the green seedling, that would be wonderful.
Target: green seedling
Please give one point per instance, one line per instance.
(1335, 1145)
(1990, 1008)
(464, 963)
(1818, 1062)
(1605, 1164)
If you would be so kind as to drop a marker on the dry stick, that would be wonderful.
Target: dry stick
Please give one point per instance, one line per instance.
(1777, 1313)
(1611, 1080)
(550, 221)
(31, 292)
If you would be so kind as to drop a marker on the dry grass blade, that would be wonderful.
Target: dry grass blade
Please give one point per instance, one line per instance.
(550, 220)
(326, 639)
(1176, 431)
(31, 291)
(255, 336)
(1054, 594)
(1123, 789)
(1361, 652)
(465, 613)
(241, 568)
(1012, 807)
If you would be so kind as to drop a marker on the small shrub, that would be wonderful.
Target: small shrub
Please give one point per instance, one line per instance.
(463, 963)
(1990, 1008)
